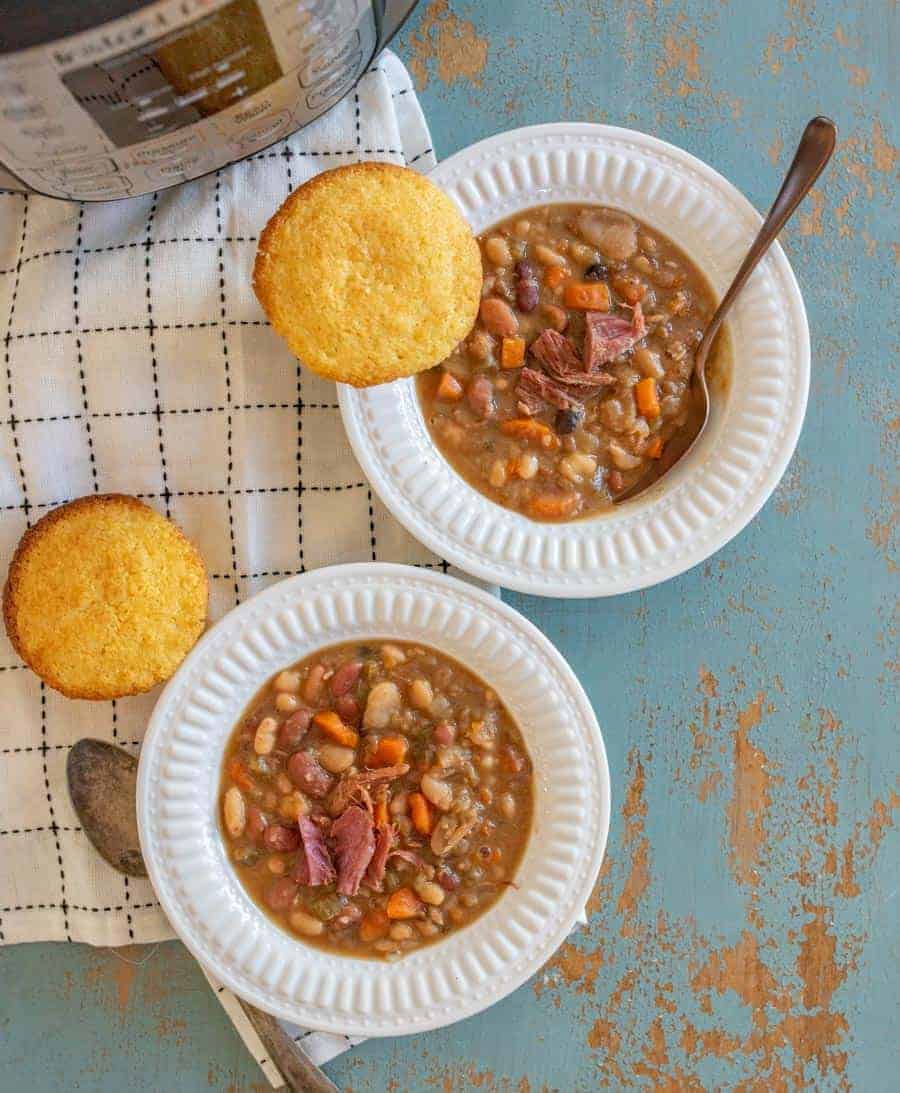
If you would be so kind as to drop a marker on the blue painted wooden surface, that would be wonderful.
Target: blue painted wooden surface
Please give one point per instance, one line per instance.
(744, 931)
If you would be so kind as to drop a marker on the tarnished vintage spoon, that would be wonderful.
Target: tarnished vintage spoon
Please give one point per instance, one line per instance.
(813, 152)
(102, 780)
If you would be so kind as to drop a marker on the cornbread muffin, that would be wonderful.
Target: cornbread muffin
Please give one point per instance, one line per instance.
(370, 273)
(104, 597)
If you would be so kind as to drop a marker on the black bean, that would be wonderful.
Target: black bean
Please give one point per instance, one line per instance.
(596, 272)
(567, 421)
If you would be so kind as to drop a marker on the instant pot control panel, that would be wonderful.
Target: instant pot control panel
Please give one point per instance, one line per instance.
(175, 90)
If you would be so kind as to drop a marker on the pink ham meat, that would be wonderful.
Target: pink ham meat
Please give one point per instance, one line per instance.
(384, 840)
(609, 336)
(313, 865)
(409, 856)
(352, 785)
(563, 383)
(561, 363)
(535, 390)
(353, 836)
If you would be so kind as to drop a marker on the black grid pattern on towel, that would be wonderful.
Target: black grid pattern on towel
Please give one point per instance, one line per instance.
(137, 360)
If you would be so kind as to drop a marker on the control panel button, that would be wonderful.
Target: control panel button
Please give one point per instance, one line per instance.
(335, 86)
(265, 130)
(333, 58)
(99, 188)
(179, 145)
(86, 168)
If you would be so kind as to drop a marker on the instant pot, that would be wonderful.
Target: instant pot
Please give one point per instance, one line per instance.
(113, 99)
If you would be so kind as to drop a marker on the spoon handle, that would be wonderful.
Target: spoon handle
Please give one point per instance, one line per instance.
(301, 1075)
(813, 152)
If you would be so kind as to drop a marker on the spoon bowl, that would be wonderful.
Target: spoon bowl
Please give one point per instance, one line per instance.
(102, 782)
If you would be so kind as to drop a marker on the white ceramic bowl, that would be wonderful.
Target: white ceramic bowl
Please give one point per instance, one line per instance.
(179, 776)
(711, 495)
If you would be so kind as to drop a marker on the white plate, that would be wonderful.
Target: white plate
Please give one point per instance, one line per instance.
(178, 785)
(713, 493)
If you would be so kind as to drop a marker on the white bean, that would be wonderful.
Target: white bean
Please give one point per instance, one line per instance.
(288, 681)
(399, 804)
(437, 792)
(336, 759)
(382, 704)
(392, 655)
(578, 466)
(430, 892)
(497, 476)
(648, 361)
(420, 694)
(293, 805)
(507, 805)
(305, 924)
(235, 812)
(527, 466)
(497, 250)
(547, 256)
(401, 931)
(622, 459)
(286, 702)
(266, 732)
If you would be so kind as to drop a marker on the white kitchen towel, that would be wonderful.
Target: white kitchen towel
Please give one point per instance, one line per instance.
(136, 359)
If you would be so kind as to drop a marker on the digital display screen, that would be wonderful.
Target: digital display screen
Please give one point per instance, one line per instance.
(179, 78)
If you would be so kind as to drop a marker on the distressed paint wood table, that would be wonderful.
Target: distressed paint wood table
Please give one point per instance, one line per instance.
(743, 933)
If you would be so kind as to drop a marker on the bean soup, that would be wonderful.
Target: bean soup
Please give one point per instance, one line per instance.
(575, 382)
(375, 797)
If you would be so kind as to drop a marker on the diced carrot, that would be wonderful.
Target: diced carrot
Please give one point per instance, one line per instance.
(553, 506)
(404, 903)
(381, 811)
(535, 432)
(331, 724)
(239, 775)
(389, 751)
(420, 811)
(449, 389)
(374, 925)
(555, 275)
(587, 295)
(646, 398)
(512, 352)
(654, 448)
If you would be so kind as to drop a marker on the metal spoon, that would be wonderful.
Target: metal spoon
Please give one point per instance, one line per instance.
(813, 152)
(102, 780)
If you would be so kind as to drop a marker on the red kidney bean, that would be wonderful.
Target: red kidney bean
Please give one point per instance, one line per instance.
(447, 879)
(480, 396)
(282, 839)
(312, 685)
(348, 709)
(346, 677)
(443, 734)
(498, 317)
(528, 290)
(304, 771)
(294, 729)
(280, 894)
(256, 824)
